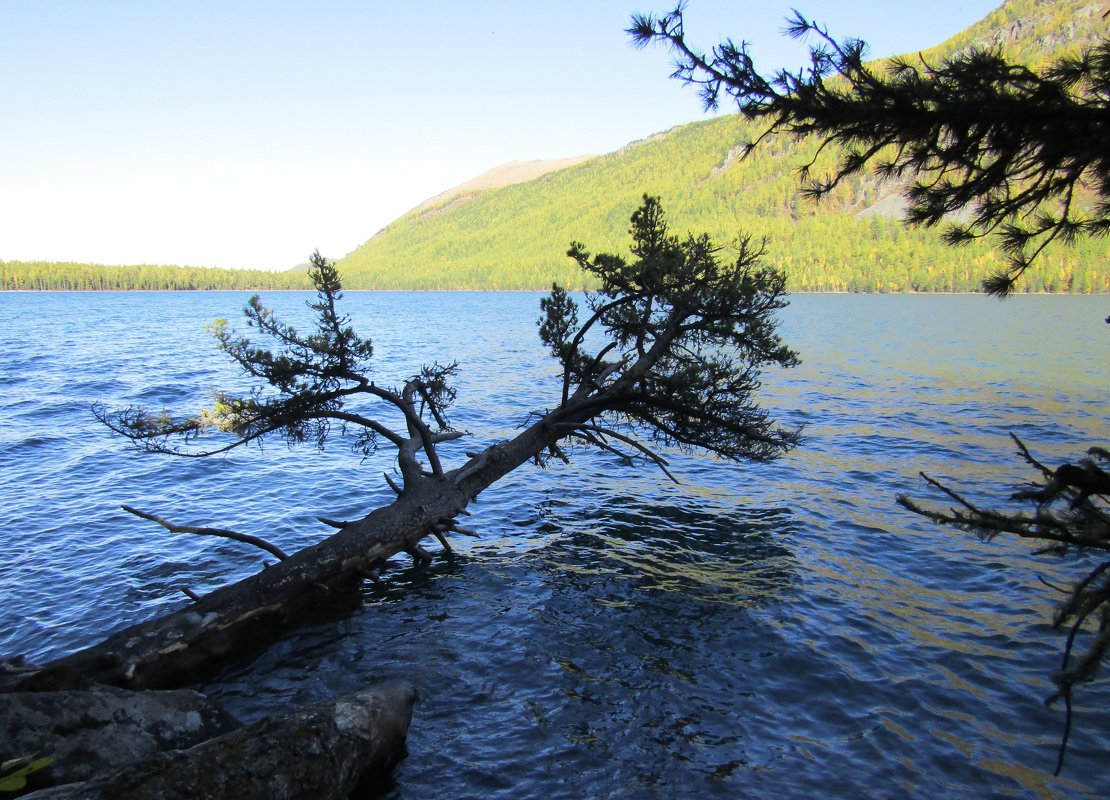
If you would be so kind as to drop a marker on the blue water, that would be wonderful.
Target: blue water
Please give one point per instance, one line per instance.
(773, 630)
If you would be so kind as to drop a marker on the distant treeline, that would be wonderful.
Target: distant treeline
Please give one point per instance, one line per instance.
(69, 276)
(838, 254)
(830, 253)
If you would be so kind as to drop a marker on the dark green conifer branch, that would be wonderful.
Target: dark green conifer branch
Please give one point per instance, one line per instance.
(1069, 509)
(1012, 151)
(682, 337)
(305, 385)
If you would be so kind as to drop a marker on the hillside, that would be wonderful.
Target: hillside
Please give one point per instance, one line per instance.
(75, 276)
(515, 237)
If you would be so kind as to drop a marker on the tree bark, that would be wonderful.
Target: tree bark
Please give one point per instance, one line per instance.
(318, 752)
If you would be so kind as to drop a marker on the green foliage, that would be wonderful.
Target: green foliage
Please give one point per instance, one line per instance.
(687, 336)
(560, 318)
(986, 146)
(304, 384)
(310, 368)
(684, 335)
(1030, 32)
(501, 239)
(18, 769)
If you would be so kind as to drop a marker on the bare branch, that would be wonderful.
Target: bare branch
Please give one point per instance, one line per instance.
(190, 594)
(419, 554)
(273, 550)
(1029, 456)
(392, 484)
(451, 525)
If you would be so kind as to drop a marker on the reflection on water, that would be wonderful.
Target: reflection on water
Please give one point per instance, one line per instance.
(705, 556)
(761, 630)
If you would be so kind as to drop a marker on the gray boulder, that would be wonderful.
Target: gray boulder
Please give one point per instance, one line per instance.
(92, 731)
(324, 751)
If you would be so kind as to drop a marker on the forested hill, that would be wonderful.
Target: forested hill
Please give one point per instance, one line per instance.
(515, 237)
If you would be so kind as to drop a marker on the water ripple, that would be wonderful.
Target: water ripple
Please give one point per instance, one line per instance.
(761, 630)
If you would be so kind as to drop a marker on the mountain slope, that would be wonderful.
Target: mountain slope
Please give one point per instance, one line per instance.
(502, 175)
(515, 237)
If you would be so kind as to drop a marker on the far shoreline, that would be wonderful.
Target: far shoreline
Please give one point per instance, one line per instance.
(515, 291)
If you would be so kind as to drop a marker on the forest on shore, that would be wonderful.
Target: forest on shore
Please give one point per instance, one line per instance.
(66, 276)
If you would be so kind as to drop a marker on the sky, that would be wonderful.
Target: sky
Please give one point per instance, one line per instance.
(248, 134)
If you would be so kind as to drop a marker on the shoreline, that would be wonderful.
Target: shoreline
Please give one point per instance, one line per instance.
(508, 291)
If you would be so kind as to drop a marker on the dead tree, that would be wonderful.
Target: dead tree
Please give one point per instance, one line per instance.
(669, 354)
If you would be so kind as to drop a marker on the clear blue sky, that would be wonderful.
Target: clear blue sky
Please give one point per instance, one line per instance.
(246, 134)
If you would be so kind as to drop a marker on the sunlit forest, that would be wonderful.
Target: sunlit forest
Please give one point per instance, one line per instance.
(516, 237)
(69, 276)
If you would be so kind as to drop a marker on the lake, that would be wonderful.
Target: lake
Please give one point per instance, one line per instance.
(759, 630)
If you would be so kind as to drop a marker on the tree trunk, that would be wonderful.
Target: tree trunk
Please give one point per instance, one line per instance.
(320, 752)
(185, 647)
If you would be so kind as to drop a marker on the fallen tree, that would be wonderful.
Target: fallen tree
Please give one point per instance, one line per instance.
(670, 354)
